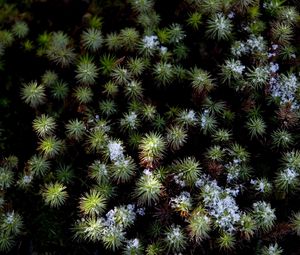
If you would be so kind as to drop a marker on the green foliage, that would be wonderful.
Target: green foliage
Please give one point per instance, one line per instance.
(92, 39)
(176, 137)
(75, 129)
(219, 27)
(50, 146)
(226, 241)
(44, 125)
(123, 170)
(59, 49)
(38, 165)
(175, 239)
(54, 194)
(201, 80)
(87, 71)
(151, 149)
(83, 94)
(92, 203)
(189, 168)
(148, 189)
(149, 133)
(256, 127)
(33, 94)
(199, 225)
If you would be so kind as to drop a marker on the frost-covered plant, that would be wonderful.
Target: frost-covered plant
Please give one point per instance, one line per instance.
(175, 239)
(219, 27)
(287, 180)
(264, 215)
(272, 249)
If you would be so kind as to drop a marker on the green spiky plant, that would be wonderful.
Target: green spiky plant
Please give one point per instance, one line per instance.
(92, 203)
(151, 149)
(54, 194)
(33, 94)
(148, 189)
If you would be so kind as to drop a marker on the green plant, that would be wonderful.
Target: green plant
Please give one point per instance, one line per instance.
(189, 168)
(148, 189)
(199, 225)
(175, 33)
(129, 38)
(136, 65)
(163, 73)
(59, 90)
(92, 203)
(89, 228)
(6, 38)
(264, 215)
(148, 112)
(83, 94)
(282, 138)
(295, 221)
(226, 241)
(33, 94)
(20, 29)
(113, 41)
(187, 118)
(215, 153)
(54, 194)
(175, 239)
(130, 121)
(272, 249)
(87, 71)
(222, 135)
(133, 90)
(65, 174)
(194, 20)
(248, 226)
(92, 39)
(151, 149)
(6, 178)
(123, 170)
(133, 247)
(96, 140)
(287, 180)
(59, 49)
(176, 137)
(44, 125)
(113, 238)
(219, 27)
(108, 107)
(282, 33)
(201, 80)
(75, 129)
(50, 146)
(256, 127)
(38, 165)
(121, 75)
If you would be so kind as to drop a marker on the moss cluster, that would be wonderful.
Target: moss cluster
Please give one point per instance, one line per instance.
(149, 127)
